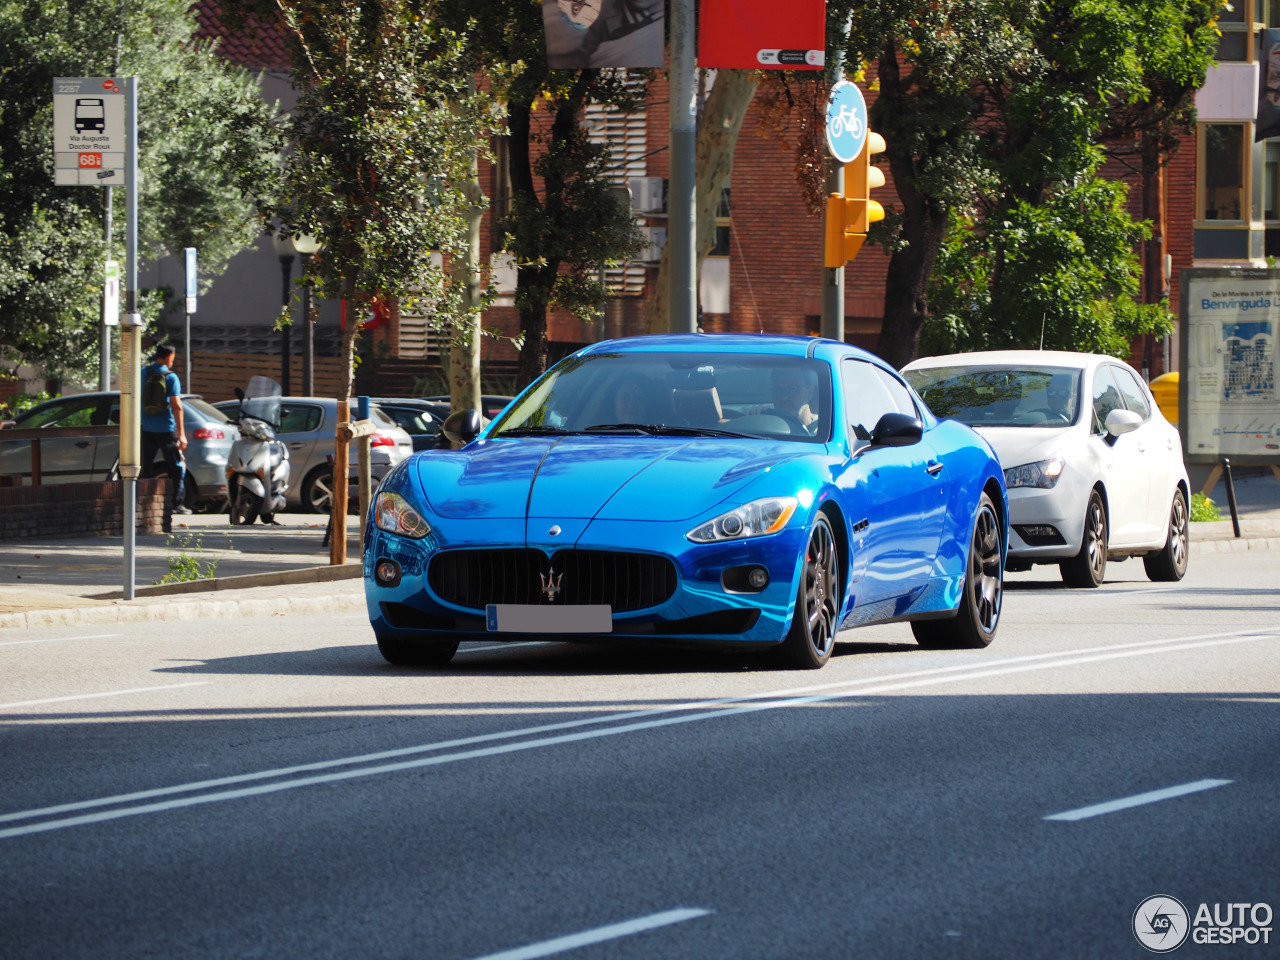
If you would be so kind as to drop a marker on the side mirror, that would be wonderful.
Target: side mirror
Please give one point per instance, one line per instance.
(1120, 422)
(897, 430)
(239, 394)
(463, 426)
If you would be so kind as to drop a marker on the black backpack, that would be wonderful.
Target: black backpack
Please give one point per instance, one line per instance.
(154, 389)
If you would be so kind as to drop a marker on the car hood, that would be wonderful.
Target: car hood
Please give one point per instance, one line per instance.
(1015, 446)
(613, 477)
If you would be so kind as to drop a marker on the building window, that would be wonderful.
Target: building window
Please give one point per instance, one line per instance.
(1224, 173)
(723, 222)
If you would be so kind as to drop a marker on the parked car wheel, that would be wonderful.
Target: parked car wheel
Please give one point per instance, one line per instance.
(1088, 568)
(412, 653)
(974, 625)
(317, 490)
(1170, 563)
(813, 626)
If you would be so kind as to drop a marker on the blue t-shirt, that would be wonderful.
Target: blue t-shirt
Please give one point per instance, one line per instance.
(162, 422)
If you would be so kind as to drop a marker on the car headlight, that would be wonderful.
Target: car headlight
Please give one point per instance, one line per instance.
(392, 513)
(755, 519)
(1044, 474)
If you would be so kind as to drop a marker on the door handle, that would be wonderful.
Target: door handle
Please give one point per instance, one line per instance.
(934, 468)
(84, 443)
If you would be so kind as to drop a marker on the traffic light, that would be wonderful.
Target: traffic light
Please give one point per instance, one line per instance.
(849, 215)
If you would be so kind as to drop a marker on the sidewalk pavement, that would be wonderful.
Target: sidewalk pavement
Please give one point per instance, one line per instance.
(284, 568)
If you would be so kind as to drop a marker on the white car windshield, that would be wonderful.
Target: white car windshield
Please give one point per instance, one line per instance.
(680, 394)
(1000, 396)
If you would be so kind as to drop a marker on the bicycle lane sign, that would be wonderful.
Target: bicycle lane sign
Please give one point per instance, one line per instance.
(846, 121)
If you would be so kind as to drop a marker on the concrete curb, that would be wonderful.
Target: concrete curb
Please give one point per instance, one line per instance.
(1233, 545)
(347, 571)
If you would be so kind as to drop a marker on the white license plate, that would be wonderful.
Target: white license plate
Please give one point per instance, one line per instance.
(538, 618)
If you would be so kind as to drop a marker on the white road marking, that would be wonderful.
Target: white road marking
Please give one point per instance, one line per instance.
(93, 636)
(688, 713)
(1153, 796)
(614, 931)
(107, 693)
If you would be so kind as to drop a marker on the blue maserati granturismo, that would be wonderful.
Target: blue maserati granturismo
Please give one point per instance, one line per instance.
(732, 490)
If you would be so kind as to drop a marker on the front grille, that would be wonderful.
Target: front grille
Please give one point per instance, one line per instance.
(625, 581)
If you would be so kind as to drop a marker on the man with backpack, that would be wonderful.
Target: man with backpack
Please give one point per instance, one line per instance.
(162, 428)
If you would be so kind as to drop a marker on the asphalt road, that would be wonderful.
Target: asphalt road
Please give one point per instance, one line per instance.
(271, 788)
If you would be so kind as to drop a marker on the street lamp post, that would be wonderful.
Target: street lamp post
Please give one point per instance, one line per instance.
(304, 246)
(285, 251)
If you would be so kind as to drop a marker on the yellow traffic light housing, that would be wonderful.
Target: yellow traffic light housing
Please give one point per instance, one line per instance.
(849, 215)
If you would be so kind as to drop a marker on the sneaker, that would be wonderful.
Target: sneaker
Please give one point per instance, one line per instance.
(182, 508)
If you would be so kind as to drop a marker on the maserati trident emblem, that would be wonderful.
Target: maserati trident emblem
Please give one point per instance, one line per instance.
(551, 584)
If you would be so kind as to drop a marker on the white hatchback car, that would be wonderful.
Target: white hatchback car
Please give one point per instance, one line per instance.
(1093, 468)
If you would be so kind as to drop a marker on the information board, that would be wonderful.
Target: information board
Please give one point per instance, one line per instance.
(1227, 383)
(88, 131)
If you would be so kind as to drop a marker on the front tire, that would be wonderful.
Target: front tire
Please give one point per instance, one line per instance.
(974, 625)
(1088, 568)
(412, 653)
(812, 636)
(246, 507)
(1170, 564)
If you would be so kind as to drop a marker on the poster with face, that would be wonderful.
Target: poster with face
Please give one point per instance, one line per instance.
(604, 33)
(1230, 322)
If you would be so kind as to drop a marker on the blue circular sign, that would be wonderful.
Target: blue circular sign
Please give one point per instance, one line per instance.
(846, 121)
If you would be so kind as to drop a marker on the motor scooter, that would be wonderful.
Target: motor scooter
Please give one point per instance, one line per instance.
(258, 465)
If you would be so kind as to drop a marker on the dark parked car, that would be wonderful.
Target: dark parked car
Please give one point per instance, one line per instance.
(490, 406)
(415, 417)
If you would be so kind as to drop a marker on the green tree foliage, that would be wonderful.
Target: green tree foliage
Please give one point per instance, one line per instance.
(996, 114)
(564, 222)
(51, 238)
(376, 156)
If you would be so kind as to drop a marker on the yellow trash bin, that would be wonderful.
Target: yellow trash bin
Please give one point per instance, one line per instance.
(1165, 389)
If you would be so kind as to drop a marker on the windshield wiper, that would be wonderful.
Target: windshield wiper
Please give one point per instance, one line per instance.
(538, 430)
(672, 430)
(621, 428)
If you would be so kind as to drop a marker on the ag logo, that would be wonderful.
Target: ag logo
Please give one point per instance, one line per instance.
(1161, 924)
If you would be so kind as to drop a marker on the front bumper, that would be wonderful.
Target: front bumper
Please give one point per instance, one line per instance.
(700, 607)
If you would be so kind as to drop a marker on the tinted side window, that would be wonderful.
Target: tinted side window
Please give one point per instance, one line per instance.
(866, 400)
(1131, 389)
(1106, 397)
(72, 412)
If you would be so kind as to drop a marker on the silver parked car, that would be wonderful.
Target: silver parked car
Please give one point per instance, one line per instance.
(77, 459)
(308, 427)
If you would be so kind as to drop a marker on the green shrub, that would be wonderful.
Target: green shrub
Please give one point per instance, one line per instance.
(1202, 508)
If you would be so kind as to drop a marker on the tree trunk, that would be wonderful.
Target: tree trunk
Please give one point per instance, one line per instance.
(464, 341)
(717, 139)
(924, 224)
(1155, 283)
(533, 354)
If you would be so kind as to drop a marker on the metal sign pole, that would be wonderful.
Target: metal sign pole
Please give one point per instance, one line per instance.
(682, 221)
(833, 277)
(130, 345)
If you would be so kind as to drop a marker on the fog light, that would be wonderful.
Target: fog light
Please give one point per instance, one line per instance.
(758, 577)
(387, 573)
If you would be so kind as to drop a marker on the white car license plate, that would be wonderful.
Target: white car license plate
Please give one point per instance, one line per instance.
(539, 618)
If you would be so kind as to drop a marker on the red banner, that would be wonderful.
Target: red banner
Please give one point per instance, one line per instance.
(762, 34)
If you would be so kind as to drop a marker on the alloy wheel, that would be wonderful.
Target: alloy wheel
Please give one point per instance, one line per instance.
(985, 579)
(819, 589)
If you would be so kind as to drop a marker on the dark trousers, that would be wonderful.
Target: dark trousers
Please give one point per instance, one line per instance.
(175, 465)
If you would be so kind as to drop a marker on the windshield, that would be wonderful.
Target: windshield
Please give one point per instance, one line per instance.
(678, 394)
(1000, 396)
(261, 400)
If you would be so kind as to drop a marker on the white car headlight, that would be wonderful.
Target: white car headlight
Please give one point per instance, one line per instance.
(755, 519)
(1044, 474)
(392, 513)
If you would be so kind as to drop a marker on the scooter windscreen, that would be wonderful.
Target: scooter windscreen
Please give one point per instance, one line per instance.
(262, 400)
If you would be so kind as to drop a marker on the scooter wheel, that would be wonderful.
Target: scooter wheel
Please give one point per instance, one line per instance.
(245, 508)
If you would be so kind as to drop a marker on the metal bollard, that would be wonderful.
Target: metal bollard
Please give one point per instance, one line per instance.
(1231, 496)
